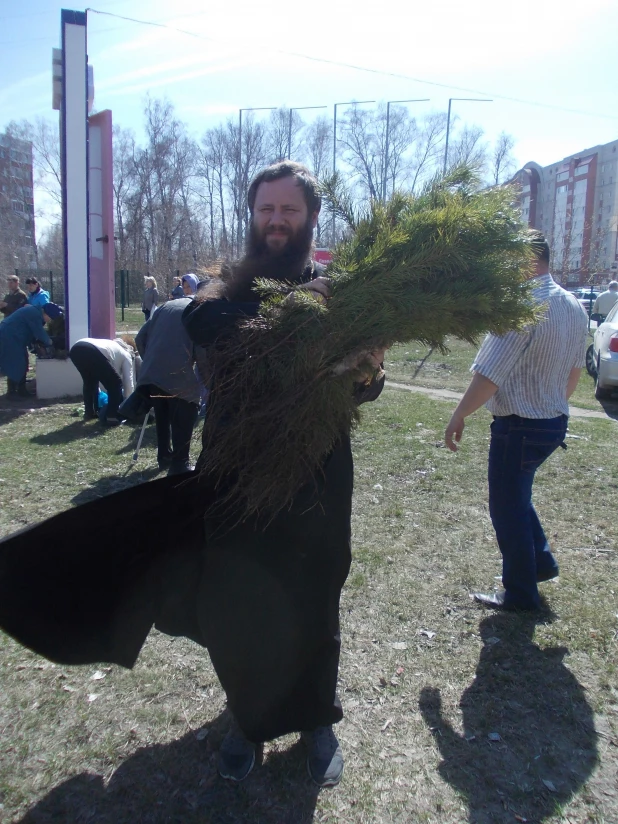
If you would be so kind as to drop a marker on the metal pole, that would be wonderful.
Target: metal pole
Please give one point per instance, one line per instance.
(448, 120)
(334, 140)
(122, 293)
(349, 103)
(388, 123)
(51, 285)
(296, 109)
(386, 139)
(239, 193)
(448, 127)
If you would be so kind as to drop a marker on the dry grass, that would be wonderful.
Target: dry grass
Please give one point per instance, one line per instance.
(426, 676)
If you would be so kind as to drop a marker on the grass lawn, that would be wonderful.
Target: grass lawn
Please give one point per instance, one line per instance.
(133, 319)
(452, 713)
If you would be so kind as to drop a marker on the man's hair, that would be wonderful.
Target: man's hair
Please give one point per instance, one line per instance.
(31, 280)
(540, 246)
(288, 168)
(13, 278)
(613, 284)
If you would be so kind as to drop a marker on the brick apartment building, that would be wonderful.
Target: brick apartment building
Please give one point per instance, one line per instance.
(17, 238)
(574, 202)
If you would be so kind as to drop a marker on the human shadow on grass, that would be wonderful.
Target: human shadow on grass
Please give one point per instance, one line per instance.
(529, 741)
(74, 431)
(114, 483)
(178, 782)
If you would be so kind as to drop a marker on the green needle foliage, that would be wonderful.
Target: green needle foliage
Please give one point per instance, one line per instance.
(452, 261)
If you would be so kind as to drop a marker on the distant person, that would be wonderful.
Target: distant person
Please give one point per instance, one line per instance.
(14, 299)
(37, 296)
(151, 297)
(177, 290)
(189, 285)
(168, 377)
(23, 328)
(107, 362)
(525, 380)
(606, 300)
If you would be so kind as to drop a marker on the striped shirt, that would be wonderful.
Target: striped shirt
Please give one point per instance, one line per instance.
(531, 368)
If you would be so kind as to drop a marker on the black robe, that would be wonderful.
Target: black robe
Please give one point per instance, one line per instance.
(262, 598)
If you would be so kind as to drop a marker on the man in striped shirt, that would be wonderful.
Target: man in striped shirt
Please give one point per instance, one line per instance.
(525, 379)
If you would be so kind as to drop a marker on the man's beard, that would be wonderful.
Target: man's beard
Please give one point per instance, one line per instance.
(260, 261)
(287, 263)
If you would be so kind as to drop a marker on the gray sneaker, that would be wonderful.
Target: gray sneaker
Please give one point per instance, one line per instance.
(236, 755)
(324, 756)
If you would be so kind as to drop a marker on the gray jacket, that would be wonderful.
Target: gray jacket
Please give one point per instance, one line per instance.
(168, 353)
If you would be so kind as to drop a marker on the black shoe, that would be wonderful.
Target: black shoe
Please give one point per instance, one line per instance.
(180, 467)
(89, 416)
(547, 575)
(324, 756)
(236, 755)
(164, 461)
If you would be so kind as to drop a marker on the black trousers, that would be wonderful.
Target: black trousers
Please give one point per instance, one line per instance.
(174, 422)
(94, 368)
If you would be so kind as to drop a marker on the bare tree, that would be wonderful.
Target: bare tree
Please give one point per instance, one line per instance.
(503, 163)
(124, 182)
(318, 145)
(468, 147)
(281, 140)
(428, 149)
(362, 135)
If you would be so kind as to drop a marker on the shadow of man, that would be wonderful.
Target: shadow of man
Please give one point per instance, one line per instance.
(74, 431)
(108, 484)
(178, 782)
(529, 741)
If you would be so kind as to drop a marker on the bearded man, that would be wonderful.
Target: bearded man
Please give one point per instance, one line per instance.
(261, 593)
(276, 643)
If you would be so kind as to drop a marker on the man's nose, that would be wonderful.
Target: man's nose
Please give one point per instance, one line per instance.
(277, 216)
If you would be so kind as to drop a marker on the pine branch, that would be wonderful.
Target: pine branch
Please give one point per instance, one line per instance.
(452, 261)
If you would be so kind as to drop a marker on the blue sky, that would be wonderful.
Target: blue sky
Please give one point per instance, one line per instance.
(243, 54)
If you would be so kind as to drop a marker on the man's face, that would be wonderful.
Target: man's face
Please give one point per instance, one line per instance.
(186, 288)
(280, 213)
(13, 285)
(32, 287)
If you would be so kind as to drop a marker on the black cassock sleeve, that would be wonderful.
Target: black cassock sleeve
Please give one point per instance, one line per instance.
(83, 587)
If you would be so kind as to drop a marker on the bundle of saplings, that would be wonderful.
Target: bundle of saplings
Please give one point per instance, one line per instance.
(452, 261)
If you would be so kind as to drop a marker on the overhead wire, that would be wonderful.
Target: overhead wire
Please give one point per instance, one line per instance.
(368, 69)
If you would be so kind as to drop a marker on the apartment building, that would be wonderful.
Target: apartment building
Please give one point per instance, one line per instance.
(17, 238)
(574, 202)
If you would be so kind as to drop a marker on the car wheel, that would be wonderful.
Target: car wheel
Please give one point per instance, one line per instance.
(600, 392)
(591, 366)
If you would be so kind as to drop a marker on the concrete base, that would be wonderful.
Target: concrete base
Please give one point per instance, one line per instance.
(57, 379)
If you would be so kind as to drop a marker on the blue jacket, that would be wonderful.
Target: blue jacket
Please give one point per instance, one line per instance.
(39, 298)
(19, 330)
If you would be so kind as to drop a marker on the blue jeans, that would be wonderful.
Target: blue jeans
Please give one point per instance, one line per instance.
(517, 449)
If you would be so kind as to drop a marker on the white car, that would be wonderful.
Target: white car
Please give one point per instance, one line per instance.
(605, 354)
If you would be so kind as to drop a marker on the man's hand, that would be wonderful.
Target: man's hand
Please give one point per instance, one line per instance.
(374, 359)
(480, 390)
(319, 286)
(454, 431)
(3, 304)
